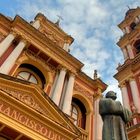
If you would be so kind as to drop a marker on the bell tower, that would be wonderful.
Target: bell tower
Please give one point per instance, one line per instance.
(128, 74)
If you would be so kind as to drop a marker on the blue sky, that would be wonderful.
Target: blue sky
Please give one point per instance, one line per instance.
(93, 25)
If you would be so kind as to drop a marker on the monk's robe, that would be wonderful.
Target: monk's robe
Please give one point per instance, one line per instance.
(114, 117)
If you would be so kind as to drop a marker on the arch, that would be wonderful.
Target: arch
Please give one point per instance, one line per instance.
(81, 112)
(46, 71)
(25, 69)
(88, 107)
(85, 101)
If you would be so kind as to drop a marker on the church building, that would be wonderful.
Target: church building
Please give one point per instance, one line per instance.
(44, 95)
(128, 74)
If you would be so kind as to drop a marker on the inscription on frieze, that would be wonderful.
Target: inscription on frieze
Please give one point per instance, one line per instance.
(25, 98)
(29, 122)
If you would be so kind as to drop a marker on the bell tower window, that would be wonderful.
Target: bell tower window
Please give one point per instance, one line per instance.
(132, 25)
(137, 46)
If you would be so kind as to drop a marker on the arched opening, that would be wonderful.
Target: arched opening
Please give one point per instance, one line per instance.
(78, 113)
(137, 46)
(32, 74)
(132, 25)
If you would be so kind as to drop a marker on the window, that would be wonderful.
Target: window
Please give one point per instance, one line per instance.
(32, 74)
(24, 75)
(132, 25)
(74, 114)
(78, 113)
(137, 46)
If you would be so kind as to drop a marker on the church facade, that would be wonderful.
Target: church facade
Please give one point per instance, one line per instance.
(44, 95)
(128, 74)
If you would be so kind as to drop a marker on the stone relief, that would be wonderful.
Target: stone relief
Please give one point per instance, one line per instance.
(25, 98)
(83, 91)
(53, 37)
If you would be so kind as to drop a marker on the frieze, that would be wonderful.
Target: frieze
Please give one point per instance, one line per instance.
(52, 37)
(39, 60)
(83, 91)
(25, 98)
(29, 122)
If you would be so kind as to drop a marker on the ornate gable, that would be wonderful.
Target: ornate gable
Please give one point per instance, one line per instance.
(20, 98)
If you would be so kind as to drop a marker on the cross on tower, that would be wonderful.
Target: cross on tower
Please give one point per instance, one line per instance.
(58, 21)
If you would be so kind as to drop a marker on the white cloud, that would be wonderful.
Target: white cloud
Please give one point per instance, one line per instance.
(93, 24)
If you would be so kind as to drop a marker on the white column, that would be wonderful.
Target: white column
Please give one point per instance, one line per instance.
(6, 43)
(125, 54)
(54, 84)
(98, 123)
(58, 89)
(124, 31)
(66, 47)
(130, 52)
(127, 29)
(68, 95)
(10, 61)
(125, 98)
(135, 94)
(36, 24)
(137, 20)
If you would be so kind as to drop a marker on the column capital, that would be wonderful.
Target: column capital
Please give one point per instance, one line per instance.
(131, 79)
(71, 74)
(123, 84)
(62, 68)
(23, 40)
(13, 33)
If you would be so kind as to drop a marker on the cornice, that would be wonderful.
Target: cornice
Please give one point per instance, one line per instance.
(130, 17)
(5, 23)
(127, 38)
(128, 68)
(93, 84)
(29, 33)
(47, 23)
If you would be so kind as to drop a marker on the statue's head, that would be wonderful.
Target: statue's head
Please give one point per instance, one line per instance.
(111, 94)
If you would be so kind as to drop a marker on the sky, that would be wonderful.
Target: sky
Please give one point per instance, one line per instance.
(92, 24)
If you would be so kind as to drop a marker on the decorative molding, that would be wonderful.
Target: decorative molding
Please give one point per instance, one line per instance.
(84, 92)
(32, 123)
(40, 61)
(52, 36)
(25, 98)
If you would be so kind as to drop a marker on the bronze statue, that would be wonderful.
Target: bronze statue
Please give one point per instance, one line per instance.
(114, 117)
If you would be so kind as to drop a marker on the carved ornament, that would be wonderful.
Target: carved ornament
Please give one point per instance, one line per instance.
(25, 98)
(83, 91)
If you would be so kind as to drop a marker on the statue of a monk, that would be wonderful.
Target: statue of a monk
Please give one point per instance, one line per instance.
(114, 117)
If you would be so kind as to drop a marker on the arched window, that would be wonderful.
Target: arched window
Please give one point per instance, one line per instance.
(31, 73)
(74, 113)
(25, 75)
(78, 113)
(137, 46)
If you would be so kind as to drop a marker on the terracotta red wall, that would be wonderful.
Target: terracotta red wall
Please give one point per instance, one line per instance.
(137, 77)
(129, 92)
(6, 54)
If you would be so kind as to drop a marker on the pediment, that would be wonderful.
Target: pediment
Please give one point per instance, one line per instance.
(31, 96)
